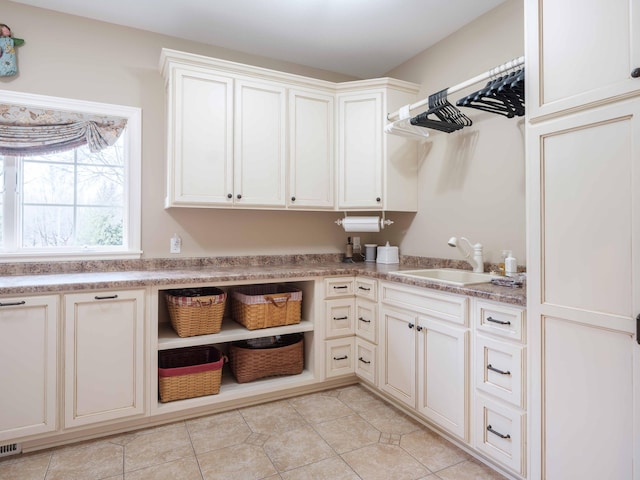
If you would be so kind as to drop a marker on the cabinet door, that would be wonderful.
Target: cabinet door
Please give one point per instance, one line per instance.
(584, 294)
(104, 356)
(398, 355)
(200, 139)
(443, 379)
(360, 150)
(580, 52)
(260, 155)
(29, 359)
(311, 150)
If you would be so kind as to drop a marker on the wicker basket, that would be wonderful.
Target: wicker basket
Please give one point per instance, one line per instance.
(189, 372)
(283, 356)
(196, 311)
(263, 306)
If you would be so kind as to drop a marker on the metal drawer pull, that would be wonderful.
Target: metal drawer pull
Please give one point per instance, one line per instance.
(364, 320)
(12, 304)
(499, 322)
(501, 372)
(107, 297)
(419, 328)
(341, 358)
(340, 318)
(411, 325)
(367, 362)
(340, 287)
(365, 289)
(497, 433)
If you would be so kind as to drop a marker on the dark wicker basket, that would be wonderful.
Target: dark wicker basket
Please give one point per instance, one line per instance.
(267, 357)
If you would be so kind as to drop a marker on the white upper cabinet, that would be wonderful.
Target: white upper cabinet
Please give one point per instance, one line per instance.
(375, 171)
(260, 150)
(200, 138)
(247, 137)
(311, 154)
(579, 53)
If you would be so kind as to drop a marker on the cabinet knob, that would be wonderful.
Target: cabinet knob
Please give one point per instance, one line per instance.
(378, 199)
(229, 195)
(239, 196)
(411, 325)
(635, 73)
(419, 328)
(293, 199)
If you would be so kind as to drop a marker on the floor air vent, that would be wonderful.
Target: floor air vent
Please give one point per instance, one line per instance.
(10, 449)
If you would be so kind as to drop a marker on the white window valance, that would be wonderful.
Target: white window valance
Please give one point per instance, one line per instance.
(32, 131)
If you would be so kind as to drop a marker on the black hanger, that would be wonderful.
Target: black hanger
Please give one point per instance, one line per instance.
(503, 95)
(450, 119)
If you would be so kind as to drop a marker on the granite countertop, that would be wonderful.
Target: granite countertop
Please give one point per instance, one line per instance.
(55, 282)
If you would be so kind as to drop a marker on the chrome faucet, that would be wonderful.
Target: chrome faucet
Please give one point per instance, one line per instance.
(477, 262)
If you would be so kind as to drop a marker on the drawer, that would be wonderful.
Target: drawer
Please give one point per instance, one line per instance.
(338, 286)
(499, 369)
(499, 319)
(366, 288)
(367, 320)
(500, 433)
(449, 307)
(339, 358)
(366, 361)
(339, 317)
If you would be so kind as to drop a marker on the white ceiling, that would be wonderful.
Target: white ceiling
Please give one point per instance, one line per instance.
(360, 38)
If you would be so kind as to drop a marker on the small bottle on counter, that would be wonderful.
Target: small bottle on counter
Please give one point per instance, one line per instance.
(503, 258)
(510, 265)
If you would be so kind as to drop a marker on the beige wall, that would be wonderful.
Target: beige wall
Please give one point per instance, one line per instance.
(471, 182)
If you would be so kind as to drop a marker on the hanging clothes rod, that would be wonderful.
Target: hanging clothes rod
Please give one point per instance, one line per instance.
(472, 81)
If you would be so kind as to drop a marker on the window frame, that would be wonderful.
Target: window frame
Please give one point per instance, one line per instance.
(133, 175)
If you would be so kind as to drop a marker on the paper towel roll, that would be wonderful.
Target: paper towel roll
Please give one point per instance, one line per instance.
(361, 224)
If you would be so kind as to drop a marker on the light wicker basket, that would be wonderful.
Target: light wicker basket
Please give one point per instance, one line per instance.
(189, 372)
(285, 356)
(263, 306)
(196, 311)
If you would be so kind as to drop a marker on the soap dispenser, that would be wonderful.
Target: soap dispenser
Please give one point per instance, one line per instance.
(510, 265)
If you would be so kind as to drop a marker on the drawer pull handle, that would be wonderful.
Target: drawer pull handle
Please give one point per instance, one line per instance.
(501, 372)
(499, 322)
(364, 320)
(106, 297)
(340, 287)
(365, 289)
(411, 325)
(638, 329)
(13, 304)
(497, 433)
(340, 318)
(344, 357)
(419, 328)
(367, 362)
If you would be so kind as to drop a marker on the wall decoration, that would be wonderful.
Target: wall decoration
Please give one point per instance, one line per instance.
(8, 62)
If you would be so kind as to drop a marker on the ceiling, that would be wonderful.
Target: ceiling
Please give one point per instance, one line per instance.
(359, 38)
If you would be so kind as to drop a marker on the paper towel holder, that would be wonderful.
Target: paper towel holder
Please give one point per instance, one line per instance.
(381, 221)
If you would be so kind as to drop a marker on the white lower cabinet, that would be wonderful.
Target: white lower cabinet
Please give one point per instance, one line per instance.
(424, 354)
(104, 356)
(499, 368)
(29, 358)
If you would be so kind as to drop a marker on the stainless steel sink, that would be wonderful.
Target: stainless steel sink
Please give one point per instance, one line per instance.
(449, 276)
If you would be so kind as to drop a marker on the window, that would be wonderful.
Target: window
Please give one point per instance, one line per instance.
(71, 203)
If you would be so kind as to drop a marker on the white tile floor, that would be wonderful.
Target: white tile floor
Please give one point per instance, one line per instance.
(346, 433)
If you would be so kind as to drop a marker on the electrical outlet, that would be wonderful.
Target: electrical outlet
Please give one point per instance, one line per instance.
(175, 245)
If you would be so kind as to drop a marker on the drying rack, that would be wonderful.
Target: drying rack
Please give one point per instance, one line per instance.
(400, 119)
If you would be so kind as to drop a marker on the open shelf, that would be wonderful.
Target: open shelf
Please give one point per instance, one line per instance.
(230, 332)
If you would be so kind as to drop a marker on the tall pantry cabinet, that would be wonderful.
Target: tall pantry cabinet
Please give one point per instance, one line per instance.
(583, 183)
